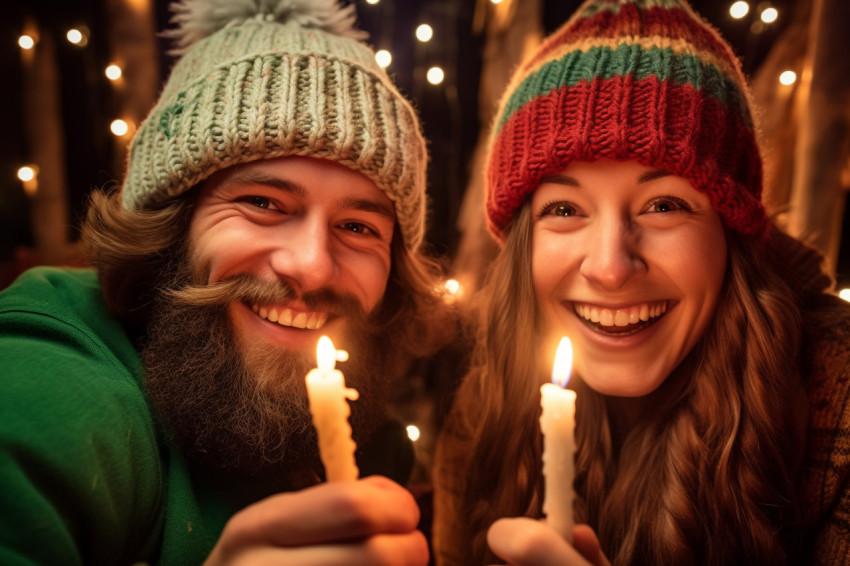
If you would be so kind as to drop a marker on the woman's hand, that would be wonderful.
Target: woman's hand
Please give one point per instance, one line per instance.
(526, 542)
(370, 521)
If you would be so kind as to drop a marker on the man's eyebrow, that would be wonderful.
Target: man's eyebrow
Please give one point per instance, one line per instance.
(368, 205)
(364, 204)
(255, 178)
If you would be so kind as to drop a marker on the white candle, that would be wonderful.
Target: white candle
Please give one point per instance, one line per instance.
(327, 394)
(558, 426)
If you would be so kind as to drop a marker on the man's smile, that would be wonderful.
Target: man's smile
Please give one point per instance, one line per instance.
(289, 317)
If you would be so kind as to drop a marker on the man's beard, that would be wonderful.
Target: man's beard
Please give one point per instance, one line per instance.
(244, 407)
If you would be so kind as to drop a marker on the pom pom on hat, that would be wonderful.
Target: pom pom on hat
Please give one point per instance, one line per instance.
(197, 19)
(260, 79)
(646, 80)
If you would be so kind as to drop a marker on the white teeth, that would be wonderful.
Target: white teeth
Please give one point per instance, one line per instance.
(621, 317)
(285, 317)
(300, 320)
(311, 321)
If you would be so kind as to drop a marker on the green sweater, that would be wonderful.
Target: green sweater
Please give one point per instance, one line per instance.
(86, 476)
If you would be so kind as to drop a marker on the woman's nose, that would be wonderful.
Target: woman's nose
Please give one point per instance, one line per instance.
(612, 257)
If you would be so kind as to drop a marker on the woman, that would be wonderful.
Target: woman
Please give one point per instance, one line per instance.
(711, 364)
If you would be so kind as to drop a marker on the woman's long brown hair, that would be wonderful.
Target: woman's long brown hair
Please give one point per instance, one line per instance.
(706, 478)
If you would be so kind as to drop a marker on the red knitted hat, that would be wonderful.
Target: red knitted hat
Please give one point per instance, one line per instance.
(647, 80)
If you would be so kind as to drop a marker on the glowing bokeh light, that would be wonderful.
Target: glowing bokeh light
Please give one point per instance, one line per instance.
(75, 36)
(739, 9)
(424, 33)
(113, 72)
(413, 432)
(119, 127)
(769, 15)
(435, 75)
(384, 58)
(26, 173)
(26, 42)
(788, 77)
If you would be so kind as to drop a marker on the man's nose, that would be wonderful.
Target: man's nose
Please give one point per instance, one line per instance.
(304, 255)
(611, 255)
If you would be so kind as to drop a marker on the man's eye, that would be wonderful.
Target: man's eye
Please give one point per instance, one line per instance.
(259, 202)
(356, 227)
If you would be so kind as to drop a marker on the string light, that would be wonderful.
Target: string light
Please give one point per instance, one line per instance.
(424, 33)
(788, 77)
(435, 75)
(372, 1)
(413, 432)
(75, 36)
(739, 9)
(383, 58)
(113, 72)
(27, 173)
(452, 286)
(451, 290)
(496, 1)
(26, 41)
(28, 176)
(769, 15)
(845, 294)
(119, 127)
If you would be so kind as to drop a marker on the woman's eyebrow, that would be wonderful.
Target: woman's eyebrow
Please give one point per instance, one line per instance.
(653, 174)
(560, 180)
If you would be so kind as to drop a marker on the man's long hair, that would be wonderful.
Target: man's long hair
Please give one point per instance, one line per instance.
(706, 478)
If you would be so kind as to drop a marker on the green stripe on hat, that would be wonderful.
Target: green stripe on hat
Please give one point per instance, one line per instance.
(628, 59)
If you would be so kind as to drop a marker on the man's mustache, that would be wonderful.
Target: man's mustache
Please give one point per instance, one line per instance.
(250, 289)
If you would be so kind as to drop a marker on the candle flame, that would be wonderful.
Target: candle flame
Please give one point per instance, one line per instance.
(325, 354)
(562, 368)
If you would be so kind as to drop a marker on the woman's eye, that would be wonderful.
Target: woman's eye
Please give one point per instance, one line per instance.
(559, 209)
(668, 204)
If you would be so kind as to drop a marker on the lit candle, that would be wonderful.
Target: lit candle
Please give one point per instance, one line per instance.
(558, 426)
(327, 394)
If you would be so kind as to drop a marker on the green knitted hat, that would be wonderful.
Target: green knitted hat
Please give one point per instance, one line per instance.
(260, 79)
(647, 80)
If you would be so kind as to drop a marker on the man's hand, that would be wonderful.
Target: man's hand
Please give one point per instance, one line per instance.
(370, 521)
(526, 542)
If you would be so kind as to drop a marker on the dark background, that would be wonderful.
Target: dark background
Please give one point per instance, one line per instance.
(449, 111)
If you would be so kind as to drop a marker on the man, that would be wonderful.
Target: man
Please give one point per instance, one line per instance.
(155, 412)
